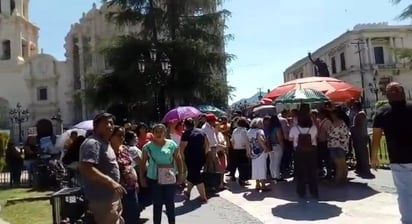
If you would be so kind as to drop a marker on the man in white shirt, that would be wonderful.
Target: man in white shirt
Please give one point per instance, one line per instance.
(212, 162)
(209, 129)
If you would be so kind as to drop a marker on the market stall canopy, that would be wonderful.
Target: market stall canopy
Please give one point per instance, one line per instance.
(302, 96)
(212, 109)
(337, 90)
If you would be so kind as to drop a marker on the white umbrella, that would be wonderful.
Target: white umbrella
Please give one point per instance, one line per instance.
(86, 125)
(66, 135)
(263, 107)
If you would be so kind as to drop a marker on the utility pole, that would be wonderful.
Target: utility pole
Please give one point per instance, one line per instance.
(260, 94)
(358, 44)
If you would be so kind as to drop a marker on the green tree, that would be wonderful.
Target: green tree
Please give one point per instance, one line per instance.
(190, 32)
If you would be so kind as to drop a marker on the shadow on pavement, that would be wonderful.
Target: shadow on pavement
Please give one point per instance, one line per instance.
(306, 211)
(187, 207)
(235, 188)
(353, 191)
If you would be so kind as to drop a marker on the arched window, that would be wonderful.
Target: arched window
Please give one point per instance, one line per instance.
(5, 50)
(12, 6)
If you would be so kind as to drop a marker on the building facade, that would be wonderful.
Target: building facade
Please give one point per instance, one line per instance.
(366, 56)
(84, 44)
(36, 81)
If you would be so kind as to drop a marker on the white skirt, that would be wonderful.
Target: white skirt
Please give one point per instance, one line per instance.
(259, 168)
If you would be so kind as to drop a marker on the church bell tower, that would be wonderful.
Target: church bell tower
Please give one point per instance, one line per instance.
(18, 36)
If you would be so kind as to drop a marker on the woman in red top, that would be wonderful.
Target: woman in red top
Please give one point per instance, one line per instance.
(143, 136)
(128, 177)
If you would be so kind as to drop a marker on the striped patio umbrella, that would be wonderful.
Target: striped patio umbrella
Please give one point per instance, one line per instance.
(304, 95)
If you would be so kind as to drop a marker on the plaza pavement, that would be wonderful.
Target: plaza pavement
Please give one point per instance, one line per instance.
(361, 201)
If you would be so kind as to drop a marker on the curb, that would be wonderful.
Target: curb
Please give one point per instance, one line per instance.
(31, 199)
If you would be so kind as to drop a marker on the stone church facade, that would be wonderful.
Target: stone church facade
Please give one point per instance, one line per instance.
(33, 79)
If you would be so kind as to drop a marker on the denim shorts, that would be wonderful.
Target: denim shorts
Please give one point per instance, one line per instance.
(337, 153)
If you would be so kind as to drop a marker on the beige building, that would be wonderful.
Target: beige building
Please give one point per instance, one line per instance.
(372, 47)
(84, 44)
(37, 81)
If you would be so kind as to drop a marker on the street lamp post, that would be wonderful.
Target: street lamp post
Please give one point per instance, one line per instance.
(161, 76)
(362, 73)
(260, 97)
(18, 116)
(58, 118)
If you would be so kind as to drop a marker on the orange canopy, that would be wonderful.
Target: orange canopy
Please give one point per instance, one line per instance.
(337, 90)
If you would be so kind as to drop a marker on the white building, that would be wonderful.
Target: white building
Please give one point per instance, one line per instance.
(381, 64)
(37, 81)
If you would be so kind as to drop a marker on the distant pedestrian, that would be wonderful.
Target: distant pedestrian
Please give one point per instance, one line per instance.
(395, 121)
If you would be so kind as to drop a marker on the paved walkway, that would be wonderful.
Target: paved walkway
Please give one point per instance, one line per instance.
(216, 211)
(358, 202)
(362, 201)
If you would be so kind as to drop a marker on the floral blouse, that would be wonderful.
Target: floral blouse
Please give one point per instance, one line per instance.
(128, 176)
(338, 136)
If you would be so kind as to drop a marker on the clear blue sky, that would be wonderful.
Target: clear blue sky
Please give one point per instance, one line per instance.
(269, 35)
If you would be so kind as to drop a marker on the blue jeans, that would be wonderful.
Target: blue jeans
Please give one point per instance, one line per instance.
(402, 177)
(30, 166)
(163, 195)
(130, 213)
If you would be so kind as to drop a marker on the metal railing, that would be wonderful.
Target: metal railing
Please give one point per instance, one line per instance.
(6, 179)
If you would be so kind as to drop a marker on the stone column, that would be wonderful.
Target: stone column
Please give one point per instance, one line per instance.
(19, 7)
(5, 7)
(370, 51)
(393, 47)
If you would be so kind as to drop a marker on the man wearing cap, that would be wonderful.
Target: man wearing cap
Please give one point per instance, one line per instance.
(395, 121)
(100, 173)
(208, 128)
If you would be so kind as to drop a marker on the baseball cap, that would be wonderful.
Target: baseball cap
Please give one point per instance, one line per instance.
(211, 117)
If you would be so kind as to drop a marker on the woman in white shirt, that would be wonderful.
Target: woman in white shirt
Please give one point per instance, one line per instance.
(259, 153)
(304, 136)
(241, 151)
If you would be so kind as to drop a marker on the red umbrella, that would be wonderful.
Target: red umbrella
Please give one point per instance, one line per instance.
(337, 90)
(344, 96)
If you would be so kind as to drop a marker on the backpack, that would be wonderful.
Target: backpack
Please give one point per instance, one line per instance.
(255, 147)
(304, 141)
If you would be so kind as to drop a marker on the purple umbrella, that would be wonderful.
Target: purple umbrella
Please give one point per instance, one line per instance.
(181, 113)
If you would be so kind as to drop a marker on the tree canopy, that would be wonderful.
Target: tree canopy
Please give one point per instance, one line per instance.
(189, 32)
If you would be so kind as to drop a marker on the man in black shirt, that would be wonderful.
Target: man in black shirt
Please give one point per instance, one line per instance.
(395, 121)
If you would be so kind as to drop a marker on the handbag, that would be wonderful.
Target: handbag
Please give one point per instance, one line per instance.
(165, 173)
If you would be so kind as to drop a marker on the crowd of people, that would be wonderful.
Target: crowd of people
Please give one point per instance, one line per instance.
(126, 168)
